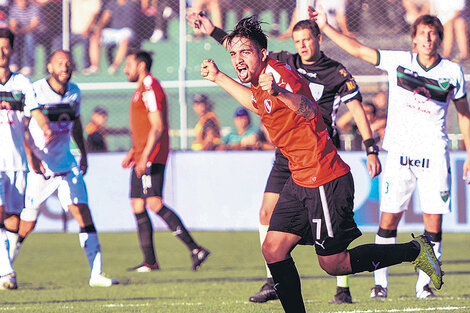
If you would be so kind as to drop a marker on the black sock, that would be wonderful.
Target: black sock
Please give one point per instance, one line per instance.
(371, 257)
(176, 226)
(20, 239)
(145, 232)
(287, 285)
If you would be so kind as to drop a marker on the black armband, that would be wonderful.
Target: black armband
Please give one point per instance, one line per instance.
(371, 147)
(219, 35)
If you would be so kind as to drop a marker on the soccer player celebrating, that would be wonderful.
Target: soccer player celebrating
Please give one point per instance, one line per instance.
(60, 101)
(330, 84)
(316, 204)
(17, 104)
(421, 85)
(147, 157)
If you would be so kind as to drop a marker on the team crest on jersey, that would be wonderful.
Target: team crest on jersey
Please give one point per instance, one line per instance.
(16, 94)
(268, 105)
(444, 83)
(445, 195)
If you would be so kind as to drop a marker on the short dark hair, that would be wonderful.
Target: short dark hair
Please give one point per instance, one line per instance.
(49, 58)
(8, 34)
(249, 28)
(143, 56)
(429, 20)
(310, 25)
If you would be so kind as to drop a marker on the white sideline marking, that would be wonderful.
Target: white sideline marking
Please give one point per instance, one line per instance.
(447, 308)
(130, 305)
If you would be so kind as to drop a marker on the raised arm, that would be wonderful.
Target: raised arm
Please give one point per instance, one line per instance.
(238, 91)
(348, 44)
(463, 115)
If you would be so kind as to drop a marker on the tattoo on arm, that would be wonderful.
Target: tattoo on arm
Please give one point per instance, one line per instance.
(307, 109)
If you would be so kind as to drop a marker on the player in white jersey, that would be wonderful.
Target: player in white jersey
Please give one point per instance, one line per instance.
(59, 99)
(17, 105)
(421, 85)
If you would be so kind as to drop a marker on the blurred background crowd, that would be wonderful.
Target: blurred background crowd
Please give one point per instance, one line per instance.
(101, 32)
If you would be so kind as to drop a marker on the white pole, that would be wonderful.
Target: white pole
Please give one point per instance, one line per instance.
(66, 25)
(182, 77)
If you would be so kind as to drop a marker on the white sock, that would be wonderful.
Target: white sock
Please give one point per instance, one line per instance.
(423, 278)
(12, 243)
(381, 275)
(342, 281)
(5, 264)
(263, 231)
(91, 245)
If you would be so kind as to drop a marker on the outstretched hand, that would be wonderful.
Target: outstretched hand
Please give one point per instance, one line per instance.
(318, 15)
(209, 69)
(201, 22)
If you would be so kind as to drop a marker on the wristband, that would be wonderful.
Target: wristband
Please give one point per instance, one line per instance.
(371, 147)
(219, 35)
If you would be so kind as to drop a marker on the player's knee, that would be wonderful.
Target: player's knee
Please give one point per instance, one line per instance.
(334, 264)
(154, 204)
(271, 251)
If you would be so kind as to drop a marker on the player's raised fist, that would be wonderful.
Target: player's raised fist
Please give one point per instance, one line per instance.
(209, 69)
(267, 83)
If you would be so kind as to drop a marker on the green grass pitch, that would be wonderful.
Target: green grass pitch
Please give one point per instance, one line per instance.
(53, 277)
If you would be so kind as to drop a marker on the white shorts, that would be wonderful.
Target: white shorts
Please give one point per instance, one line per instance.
(115, 36)
(402, 173)
(12, 188)
(70, 188)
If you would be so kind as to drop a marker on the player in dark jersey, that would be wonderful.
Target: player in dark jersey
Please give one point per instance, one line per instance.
(330, 84)
(316, 204)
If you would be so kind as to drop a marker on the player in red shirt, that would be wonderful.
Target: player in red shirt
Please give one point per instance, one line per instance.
(316, 205)
(147, 157)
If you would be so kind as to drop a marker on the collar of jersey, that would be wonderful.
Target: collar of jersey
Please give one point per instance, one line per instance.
(427, 69)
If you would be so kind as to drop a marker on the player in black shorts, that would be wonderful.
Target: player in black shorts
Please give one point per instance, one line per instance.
(330, 84)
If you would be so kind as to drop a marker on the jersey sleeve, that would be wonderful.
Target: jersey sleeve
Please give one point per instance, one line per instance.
(151, 96)
(30, 102)
(460, 90)
(388, 59)
(348, 89)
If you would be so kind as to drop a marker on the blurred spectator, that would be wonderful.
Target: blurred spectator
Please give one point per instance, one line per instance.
(414, 9)
(97, 130)
(49, 31)
(23, 20)
(116, 26)
(243, 137)
(84, 15)
(166, 10)
(4, 6)
(450, 14)
(336, 12)
(276, 9)
(263, 141)
(207, 129)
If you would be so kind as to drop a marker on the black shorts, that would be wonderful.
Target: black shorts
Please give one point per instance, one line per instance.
(322, 216)
(280, 173)
(150, 184)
